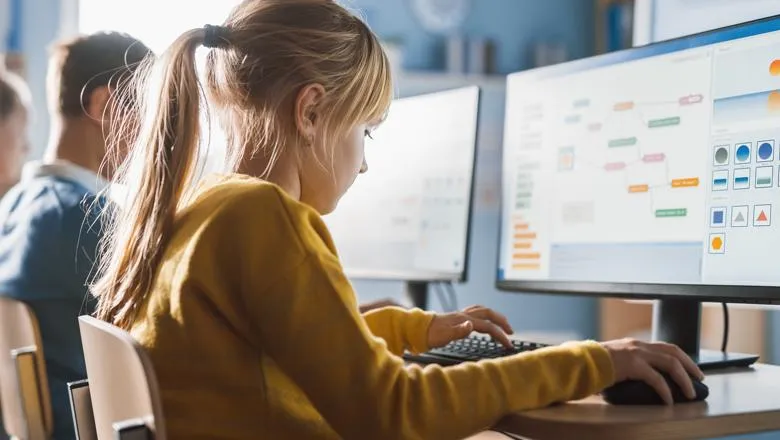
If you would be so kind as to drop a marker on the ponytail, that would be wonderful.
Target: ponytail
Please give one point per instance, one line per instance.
(156, 176)
(262, 56)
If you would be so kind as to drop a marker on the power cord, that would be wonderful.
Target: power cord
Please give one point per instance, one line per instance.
(448, 298)
(445, 303)
(725, 342)
(453, 296)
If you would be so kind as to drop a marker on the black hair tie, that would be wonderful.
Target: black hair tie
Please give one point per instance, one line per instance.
(216, 37)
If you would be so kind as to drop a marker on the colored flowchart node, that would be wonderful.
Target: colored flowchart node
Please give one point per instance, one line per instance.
(675, 212)
(687, 182)
(741, 178)
(653, 158)
(762, 215)
(622, 142)
(663, 122)
(721, 155)
(691, 99)
(742, 153)
(739, 216)
(718, 243)
(718, 217)
(764, 176)
(765, 152)
(615, 166)
(638, 188)
(720, 180)
(523, 256)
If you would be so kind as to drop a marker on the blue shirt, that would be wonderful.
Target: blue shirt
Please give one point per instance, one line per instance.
(47, 250)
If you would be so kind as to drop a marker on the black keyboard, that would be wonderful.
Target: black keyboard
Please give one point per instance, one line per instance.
(471, 349)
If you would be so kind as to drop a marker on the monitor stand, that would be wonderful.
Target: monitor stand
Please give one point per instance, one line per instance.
(417, 292)
(678, 321)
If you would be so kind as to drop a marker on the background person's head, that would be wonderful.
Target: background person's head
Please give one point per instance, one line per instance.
(84, 72)
(296, 84)
(15, 114)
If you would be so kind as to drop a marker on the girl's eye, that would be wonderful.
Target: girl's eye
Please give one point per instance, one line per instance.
(367, 133)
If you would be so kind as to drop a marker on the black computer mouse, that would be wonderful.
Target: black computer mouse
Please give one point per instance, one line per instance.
(636, 392)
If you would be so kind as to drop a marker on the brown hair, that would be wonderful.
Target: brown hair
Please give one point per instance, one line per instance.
(85, 63)
(263, 55)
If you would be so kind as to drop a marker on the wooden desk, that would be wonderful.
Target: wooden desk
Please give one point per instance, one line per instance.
(741, 401)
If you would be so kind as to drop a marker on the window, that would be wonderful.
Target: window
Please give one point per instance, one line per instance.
(158, 23)
(155, 22)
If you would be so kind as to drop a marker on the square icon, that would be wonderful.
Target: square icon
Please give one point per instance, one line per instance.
(718, 217)
(742, 178)
(739, 216)
(720, 180)
(742, 152)
(765, 150)
(764, 177)
(718, 243)
(762, 215)
(721, 155)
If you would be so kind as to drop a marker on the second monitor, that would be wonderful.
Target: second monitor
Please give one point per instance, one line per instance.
(408, 217)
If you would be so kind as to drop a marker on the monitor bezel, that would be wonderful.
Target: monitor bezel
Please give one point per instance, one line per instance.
(432, 276)
(699, 292)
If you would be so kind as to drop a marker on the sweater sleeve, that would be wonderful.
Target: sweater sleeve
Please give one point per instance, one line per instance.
(401, 329)
(365, 392)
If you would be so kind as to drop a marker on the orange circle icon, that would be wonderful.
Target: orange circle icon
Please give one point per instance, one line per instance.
(774, 68)
(717, 243)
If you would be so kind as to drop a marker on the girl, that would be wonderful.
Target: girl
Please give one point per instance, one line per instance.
(235, 288)
(15, 102)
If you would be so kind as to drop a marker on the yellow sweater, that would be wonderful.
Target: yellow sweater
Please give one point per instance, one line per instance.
(255, 333)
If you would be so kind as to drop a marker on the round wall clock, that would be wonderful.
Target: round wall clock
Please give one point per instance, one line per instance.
(441, 16)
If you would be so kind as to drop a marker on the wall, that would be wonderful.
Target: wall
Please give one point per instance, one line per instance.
(513, 24)
(40, 26)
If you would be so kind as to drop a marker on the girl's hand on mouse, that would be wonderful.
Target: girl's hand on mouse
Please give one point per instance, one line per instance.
(639, 360)
(449, 327)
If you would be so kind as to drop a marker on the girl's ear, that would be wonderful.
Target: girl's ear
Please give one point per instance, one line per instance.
(307, 108)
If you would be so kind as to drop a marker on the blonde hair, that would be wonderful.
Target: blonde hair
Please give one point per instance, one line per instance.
(266, 52)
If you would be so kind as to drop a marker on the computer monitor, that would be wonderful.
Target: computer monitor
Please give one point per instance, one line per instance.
(408, 217)
(649, 173)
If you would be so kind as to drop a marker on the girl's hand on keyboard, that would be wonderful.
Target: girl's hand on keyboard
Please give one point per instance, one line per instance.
(449, 327)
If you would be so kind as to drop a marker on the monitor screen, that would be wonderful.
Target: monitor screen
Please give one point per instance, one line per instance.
(653, 166)
(408, 216)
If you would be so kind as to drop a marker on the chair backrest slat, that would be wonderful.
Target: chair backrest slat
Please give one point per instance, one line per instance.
(122, 382)
(81, 407)
(23, 370)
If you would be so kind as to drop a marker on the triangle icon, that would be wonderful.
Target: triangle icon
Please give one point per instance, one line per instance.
(762, 217)
(740, 218)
